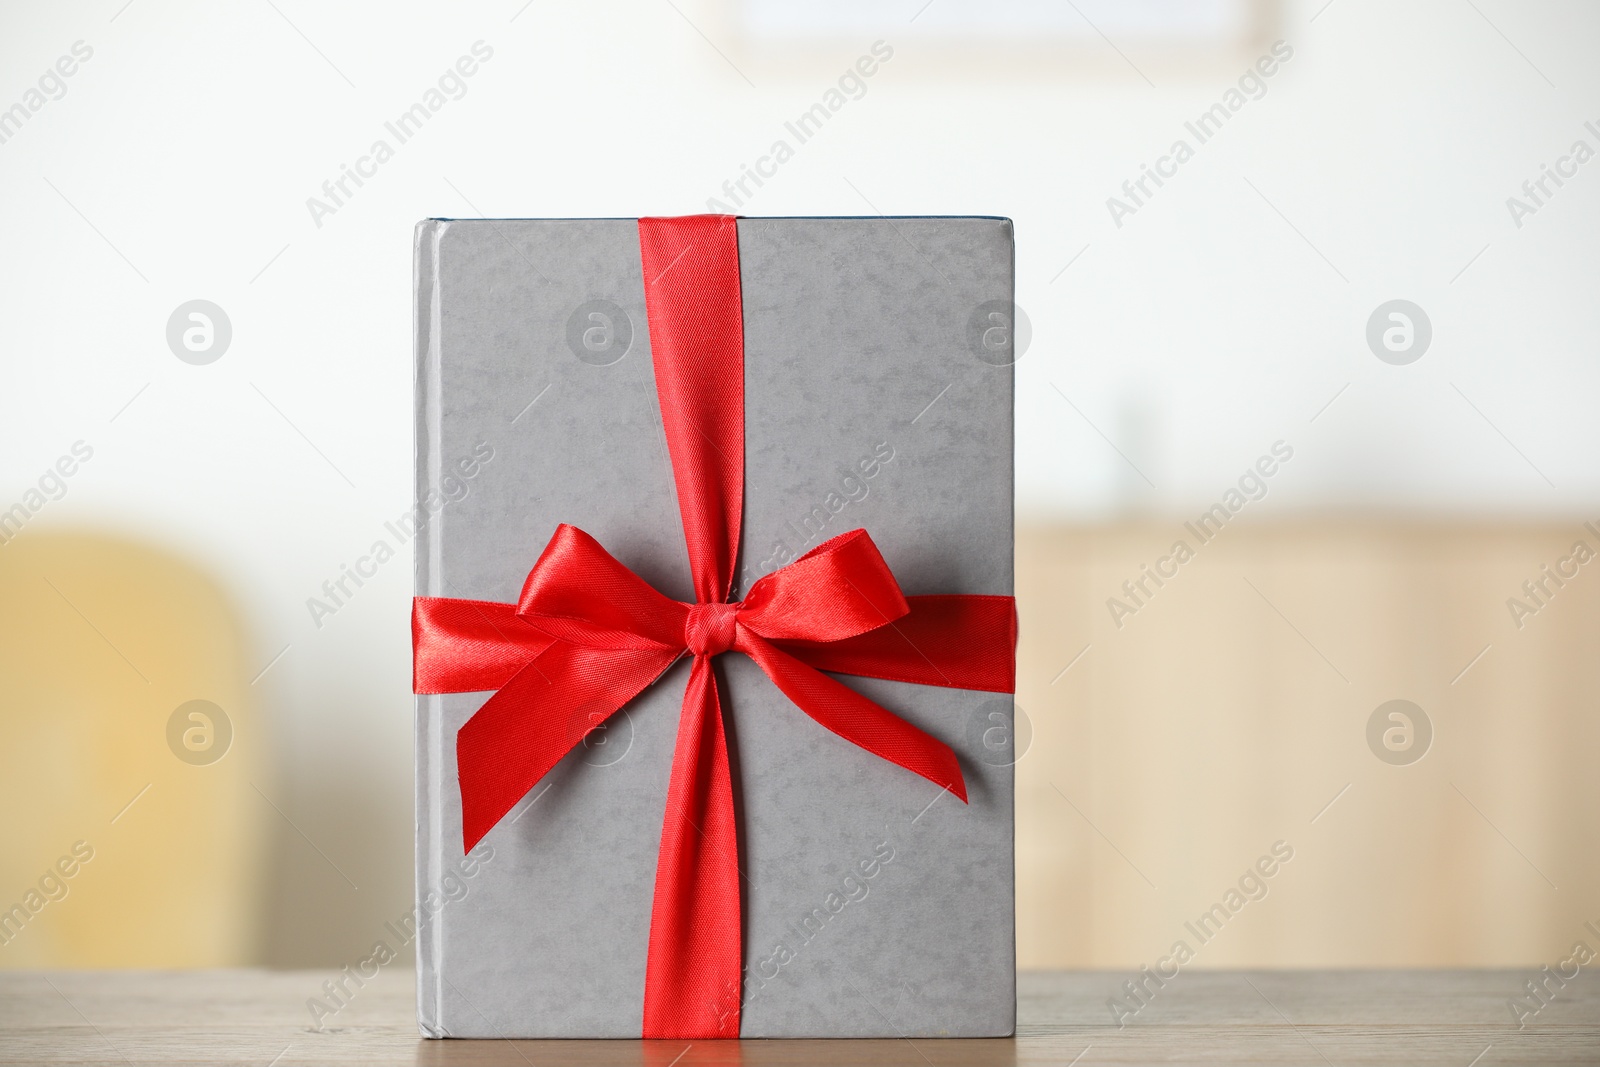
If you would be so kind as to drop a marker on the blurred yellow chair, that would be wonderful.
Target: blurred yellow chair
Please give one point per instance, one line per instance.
(133, 835)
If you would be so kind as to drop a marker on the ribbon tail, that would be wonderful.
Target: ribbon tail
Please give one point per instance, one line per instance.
(855, 718)
(535, 719)
(691, 988)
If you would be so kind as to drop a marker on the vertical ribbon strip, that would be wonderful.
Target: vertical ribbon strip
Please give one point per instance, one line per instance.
(695, 307)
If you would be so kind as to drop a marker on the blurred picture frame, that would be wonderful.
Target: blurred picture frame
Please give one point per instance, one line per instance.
(1023, 38)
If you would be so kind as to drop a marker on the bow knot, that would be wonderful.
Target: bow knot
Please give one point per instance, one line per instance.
(709, 628)
(588, 632)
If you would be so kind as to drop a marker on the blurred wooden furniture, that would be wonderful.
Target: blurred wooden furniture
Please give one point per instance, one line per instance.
(1229, 711)
(101, 641)
(1448, 1018)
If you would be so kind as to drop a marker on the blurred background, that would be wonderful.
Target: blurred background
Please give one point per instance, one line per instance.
(1308, 288)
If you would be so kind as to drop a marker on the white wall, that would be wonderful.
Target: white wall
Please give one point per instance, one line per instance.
(1203, 329)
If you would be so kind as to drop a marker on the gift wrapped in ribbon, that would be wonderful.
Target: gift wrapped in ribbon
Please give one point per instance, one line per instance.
(716, 657)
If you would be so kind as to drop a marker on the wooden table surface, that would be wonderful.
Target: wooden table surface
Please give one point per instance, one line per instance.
(1334, 1018)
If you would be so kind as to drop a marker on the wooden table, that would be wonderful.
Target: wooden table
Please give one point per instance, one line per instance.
(1455, 1018)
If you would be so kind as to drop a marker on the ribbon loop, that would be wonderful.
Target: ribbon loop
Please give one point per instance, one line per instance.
(839, 589)
(579, 592)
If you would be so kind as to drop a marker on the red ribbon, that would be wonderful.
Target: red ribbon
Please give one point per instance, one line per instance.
(587, 635)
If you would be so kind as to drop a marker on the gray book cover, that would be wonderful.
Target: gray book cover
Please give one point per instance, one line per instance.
(878, 387)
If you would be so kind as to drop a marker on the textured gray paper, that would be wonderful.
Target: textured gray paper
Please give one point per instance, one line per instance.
(878, 395)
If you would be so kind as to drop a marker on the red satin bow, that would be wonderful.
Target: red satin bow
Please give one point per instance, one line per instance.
(587, 635)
